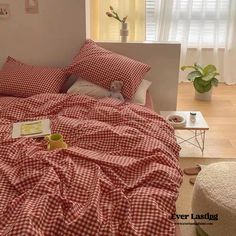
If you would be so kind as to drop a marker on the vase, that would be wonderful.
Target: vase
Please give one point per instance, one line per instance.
(124, 32)
(203, 96)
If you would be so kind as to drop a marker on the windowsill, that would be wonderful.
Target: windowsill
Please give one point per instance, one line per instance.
(205, 48)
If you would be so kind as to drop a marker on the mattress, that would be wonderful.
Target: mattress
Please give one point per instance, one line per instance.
(119, 175)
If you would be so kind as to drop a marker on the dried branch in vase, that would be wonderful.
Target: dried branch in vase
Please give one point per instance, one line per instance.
(115, 15)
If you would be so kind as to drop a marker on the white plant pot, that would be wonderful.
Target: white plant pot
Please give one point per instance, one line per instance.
(124, 32)
(203, 96)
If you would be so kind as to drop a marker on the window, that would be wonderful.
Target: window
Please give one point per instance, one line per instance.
(151, 20)
(204, 21)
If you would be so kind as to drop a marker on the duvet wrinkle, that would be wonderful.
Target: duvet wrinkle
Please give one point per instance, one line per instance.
(119, 175)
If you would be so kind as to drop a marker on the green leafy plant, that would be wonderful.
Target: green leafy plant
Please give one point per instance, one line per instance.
(203, 78)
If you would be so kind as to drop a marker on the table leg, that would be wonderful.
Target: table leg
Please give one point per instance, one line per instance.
(202, 134)
(200, 141)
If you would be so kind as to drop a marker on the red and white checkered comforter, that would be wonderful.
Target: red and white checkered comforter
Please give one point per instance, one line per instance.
(119, 176)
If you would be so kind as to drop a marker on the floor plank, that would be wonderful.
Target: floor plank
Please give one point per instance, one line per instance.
(220, 114)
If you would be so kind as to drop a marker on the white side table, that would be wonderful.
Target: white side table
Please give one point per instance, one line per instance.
(198, 128)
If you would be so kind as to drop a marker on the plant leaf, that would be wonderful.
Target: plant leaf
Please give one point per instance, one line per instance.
(195, 68)
(194, 74)
(209, 76)
(187, 67)
(197, 83)
(209, 69)
(203, 82)
(214, 82)
(199, 68)
(197, 65)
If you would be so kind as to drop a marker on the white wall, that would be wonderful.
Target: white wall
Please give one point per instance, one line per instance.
(51, 37)
(164, 61)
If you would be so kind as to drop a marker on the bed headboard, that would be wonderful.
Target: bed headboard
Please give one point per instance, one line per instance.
(164, 59)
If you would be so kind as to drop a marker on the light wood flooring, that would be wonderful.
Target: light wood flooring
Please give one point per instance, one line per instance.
(220, 114)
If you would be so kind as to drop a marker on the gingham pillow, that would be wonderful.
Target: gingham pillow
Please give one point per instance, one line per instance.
(21, 80)
(100, 66)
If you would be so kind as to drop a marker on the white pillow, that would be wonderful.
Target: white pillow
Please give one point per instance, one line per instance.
(87, 88)
(140, 95)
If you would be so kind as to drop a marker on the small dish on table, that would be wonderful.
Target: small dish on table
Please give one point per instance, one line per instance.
(176, 121)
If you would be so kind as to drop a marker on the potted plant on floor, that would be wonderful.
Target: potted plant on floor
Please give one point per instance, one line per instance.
(203, 78)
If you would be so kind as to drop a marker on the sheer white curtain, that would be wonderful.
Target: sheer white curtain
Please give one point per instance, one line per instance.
(205, 28)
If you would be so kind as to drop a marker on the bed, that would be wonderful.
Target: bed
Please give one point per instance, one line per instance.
(120, 174)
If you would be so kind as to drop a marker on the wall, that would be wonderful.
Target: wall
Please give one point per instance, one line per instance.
(164, 61)
(51, 37)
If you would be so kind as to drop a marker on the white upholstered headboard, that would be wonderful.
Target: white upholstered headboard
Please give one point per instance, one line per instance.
(54, 35)
(164, 59)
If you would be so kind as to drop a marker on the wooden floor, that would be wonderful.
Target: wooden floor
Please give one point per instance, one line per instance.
(220, 114)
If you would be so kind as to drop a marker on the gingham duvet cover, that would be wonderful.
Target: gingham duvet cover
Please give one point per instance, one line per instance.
(119, 176)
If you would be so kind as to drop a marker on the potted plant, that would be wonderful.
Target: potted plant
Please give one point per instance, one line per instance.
(203, 78)
(124, 26)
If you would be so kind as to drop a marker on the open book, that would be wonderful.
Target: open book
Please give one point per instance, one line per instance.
(37, 128)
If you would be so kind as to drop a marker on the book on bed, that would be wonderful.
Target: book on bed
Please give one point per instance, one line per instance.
(36, 128)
